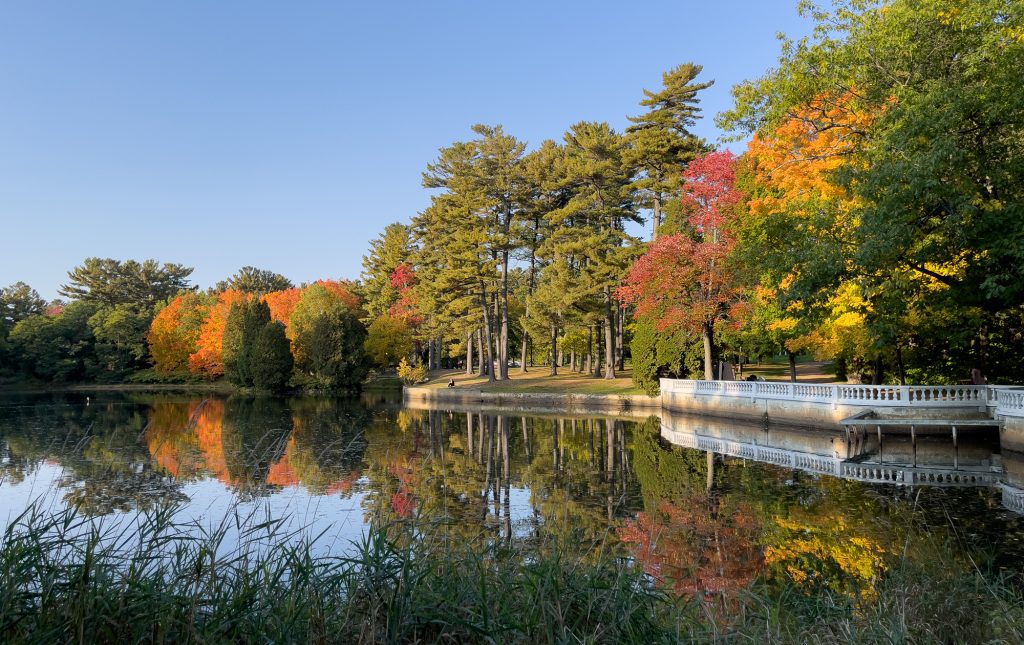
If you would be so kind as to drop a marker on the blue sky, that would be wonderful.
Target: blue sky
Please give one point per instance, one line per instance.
(286, 135)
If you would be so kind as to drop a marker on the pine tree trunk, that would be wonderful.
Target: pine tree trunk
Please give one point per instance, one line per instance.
(877, 371)
(572, 361)
(609, 335)
(430, 354)
(656, 220)
(469, 354)
(487, 332)
(522, 359)
(620, 336)
(597, 350)
(554, 349)
(792, 366)
(481, 367)
(503, 336)
(590, 349)
(708, 335)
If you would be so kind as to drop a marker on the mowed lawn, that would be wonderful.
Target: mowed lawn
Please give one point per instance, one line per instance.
(806, 372)
(537, 380)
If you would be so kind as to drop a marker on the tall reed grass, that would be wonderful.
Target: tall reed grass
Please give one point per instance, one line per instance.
(63, 578)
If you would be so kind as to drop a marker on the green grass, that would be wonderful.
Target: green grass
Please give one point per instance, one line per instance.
(62, 580)
(379, 383)
(537, 381)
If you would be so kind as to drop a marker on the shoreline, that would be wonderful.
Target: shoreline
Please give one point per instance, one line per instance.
(218, 387)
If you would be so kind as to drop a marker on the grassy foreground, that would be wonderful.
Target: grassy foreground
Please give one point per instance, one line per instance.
(62, 581)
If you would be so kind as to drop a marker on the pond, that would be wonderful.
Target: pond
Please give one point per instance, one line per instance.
(704, 506)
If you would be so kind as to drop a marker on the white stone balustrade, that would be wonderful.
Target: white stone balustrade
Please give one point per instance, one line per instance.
(1007, 400)
(880, 395)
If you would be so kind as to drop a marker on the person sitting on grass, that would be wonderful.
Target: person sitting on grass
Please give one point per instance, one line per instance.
(451, 382)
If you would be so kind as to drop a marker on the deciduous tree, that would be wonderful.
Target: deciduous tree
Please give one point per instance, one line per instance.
(684, 281)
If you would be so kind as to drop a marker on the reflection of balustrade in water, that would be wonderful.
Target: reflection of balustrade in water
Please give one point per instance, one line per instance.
(829, 454)
(1013, 498)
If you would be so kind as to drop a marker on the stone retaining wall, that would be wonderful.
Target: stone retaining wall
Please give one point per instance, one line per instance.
(638, 405)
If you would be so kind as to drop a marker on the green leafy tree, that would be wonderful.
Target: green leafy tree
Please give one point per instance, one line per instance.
(935, 172)
(486, 176)
(256, 351)
(330, 349)
(120, 335)
(658, 354)
(541, 311)
(244, 324)
(255, 281)
(388, 340)
(591, 226)
(58, 349)
(17, 302)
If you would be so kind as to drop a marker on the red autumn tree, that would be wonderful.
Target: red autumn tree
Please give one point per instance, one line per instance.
(403, 279)
(684, 280)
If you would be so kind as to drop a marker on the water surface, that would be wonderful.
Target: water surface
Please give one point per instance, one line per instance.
(707, 516)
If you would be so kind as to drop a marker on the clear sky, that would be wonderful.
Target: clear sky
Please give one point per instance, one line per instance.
(286, 135)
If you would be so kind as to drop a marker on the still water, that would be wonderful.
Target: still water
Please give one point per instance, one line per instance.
(702, 505)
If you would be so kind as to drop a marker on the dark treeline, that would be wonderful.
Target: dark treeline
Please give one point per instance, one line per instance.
(145, 322)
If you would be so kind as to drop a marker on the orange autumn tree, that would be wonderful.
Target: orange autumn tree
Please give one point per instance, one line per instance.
(209, 355)
(345, 291)
(282, 304)
(801, 224)
(174, 333)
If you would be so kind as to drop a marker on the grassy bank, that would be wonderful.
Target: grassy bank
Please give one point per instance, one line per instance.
(537, 381)
(154, 582)
(149, 381)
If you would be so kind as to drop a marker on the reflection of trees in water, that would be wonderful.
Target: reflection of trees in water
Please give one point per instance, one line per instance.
(105, 466)
(707, 526)
(325, 449)
(711, 525)
(254, 444)
(693, 535)
(457, 472)
(254, 434)
(185, 438)
(586, 485)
